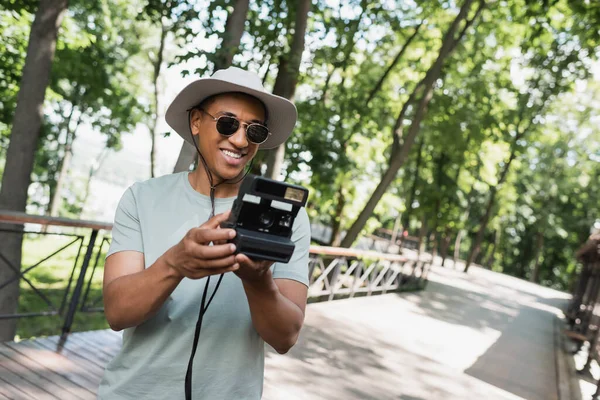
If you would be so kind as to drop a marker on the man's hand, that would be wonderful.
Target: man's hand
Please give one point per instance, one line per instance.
(251, 271)
(193, 257)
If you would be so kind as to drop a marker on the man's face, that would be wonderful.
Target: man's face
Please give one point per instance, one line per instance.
(227, 156)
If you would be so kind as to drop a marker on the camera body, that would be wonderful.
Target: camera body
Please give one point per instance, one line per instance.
(263, 216)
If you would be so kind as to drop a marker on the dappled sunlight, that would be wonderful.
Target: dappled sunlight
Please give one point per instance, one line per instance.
(468, 336)
(494, 341)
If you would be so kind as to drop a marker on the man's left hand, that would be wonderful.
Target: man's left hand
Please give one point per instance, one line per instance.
(250, 270)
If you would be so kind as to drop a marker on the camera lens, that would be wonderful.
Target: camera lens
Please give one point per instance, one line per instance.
(266, 219)
(286, 221)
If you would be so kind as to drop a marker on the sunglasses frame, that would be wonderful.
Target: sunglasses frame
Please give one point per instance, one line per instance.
(242, 123)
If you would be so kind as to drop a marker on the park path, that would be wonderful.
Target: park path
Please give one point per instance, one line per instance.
(480, 335)
(475, 336)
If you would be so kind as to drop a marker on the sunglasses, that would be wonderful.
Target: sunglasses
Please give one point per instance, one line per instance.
(227, 125)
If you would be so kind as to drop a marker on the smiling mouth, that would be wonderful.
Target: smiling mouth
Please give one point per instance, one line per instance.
(232, 154)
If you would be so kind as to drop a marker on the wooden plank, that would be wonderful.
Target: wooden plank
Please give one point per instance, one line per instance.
(11, 392)
(94, 370)
(57, 363)
(73, 390)
(24, 385)
(83, 349)
(103, 340)
(344, 252)
(109, 349)
(111, 340)
(103, 336)
(21, 218)
(109, 334)
(34, 378)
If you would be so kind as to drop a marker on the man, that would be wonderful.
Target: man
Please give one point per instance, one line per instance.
(167, 244)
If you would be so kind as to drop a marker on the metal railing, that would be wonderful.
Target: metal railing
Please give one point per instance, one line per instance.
(333, 272)
(71, 297)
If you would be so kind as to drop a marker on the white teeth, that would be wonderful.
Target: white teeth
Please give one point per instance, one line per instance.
(232, 154)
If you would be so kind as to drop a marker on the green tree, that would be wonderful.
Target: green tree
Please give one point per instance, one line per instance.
(423, 93)
(26, 126)
(231, 36)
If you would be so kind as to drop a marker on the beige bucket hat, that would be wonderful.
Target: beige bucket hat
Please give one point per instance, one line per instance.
(281, 112)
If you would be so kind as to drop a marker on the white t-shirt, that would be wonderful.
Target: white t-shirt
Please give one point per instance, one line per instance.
(152, 216)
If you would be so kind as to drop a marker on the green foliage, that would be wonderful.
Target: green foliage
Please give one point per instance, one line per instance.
(95, 81)
(519, 88)
(14, 30)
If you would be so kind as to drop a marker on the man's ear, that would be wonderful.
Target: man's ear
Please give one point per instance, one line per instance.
(195, 121)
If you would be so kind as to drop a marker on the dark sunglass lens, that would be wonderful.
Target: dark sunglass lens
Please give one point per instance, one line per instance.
(227, 125)
(257, 133)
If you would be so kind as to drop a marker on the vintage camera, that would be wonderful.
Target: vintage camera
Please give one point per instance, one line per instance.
(263, 216)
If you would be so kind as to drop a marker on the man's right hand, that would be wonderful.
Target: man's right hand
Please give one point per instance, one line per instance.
(194, 257)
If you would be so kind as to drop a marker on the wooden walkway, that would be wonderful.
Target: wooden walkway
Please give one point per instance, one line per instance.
(42, 369)
(476, 336)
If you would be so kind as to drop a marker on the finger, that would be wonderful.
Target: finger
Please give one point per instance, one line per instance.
(220, 241)
(215, 221)
(244, 260)
(203, 252)
(256, 264)
(202, 235)
(216, 271)
(216, 263)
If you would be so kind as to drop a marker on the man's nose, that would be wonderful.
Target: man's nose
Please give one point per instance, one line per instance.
(239, 139)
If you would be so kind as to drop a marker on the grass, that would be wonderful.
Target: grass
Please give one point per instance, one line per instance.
(51, 279)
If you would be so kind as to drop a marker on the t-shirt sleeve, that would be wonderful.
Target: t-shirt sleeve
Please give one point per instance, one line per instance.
(297, 268)
(126, 232)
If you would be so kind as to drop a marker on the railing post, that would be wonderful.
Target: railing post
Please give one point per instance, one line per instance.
(79, 285)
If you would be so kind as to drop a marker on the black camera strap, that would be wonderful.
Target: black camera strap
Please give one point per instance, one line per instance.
(203, 304)
(203, 307)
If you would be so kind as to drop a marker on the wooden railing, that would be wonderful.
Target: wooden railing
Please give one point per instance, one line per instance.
(339, 272)
(583, 312)
(333, 272)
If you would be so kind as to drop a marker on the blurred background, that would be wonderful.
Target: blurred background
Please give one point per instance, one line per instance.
(461, 132)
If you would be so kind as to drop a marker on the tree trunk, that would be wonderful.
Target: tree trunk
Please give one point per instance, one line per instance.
(476, 248)
(157, 65)
(372, 94)
(234, 29)
(438, 204)
(394, 238)
(398, 157)
(539, 244)
(287, 78)
(461, 232)
(65, 164)
(24, 136)
(432, 242)
(60, 181)
(422, 233)
(336, 232)
(490, 259)
(413, 188)
(445, 246)
(93, 169)
(457, 244)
